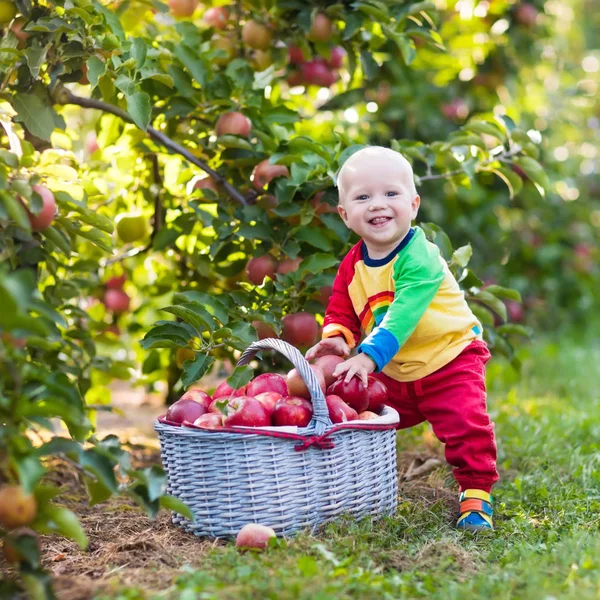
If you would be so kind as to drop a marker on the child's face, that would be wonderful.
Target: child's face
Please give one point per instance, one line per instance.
(378, 202)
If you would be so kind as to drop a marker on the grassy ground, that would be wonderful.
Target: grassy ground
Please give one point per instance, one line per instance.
(546, 544)
(547, 539)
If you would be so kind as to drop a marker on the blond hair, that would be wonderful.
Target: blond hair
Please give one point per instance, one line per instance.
(351, 164)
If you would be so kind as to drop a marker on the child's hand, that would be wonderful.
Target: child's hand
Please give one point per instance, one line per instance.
(360, 365)
(333, 345)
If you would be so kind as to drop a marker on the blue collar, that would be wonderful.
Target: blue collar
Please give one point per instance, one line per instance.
(379, 262)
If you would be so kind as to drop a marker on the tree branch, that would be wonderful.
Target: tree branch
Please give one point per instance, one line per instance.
(65, 96)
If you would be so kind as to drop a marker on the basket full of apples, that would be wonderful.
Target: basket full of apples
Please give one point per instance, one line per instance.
(278, 452)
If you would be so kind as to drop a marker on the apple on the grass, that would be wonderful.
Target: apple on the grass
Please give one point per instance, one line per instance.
(225, 390)
(267, 382)
(353, 393)
(247, 412)
(254, 536)
(339, 411)
(269, 400)
(377, 394)
(327, 364)
(209, 421)
(185, 409)
(292, 411)
(197, 396)
(296, 385)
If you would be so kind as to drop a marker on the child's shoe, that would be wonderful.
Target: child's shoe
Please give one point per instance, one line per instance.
(475, 511)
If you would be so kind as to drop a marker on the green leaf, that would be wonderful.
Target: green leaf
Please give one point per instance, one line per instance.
(36, 116)
(212, 303)
(483, 127)
(192, 62)
(535, 172)
(492, 302)
(30, 471)
(194, 370)
(35, 56)
(139, 107)
(61, 520)
(154, 479)
(194, 314)
(58, 239)
(172, 503)
(512, 180)
(504, 292)
(138, 51)
(96, 68)
(314, 237)
(240, 377)
(318, 262)
(369, 65)
(462, 255)
(514, 329)
(101, 467)
(168, 335)
(345, 99)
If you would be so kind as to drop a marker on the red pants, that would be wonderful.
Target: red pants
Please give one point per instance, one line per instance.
(452, 399)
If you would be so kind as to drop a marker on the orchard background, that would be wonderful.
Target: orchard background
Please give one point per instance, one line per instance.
(157, 160)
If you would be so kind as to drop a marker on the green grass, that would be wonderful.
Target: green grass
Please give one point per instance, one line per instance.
(547, 539)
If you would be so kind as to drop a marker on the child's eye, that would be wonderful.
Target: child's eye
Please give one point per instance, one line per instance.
(390, 194)
(362, 197)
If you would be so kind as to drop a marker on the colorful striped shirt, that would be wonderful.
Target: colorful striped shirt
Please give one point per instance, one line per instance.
(409, 304)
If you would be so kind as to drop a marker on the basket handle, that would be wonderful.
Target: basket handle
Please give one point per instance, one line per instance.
(320, 420)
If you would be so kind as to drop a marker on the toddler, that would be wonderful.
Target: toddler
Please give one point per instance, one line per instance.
(422, 340)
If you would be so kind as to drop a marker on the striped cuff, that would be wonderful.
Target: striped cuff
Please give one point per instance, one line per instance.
(381, 346)
(335, 329)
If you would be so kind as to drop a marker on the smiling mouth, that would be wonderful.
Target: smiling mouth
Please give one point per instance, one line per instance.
(379, 220)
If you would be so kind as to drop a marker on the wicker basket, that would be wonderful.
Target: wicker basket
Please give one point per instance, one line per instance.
(234, 476)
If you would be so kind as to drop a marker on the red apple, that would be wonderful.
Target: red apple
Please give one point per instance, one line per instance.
(269, 400)
(185, 409)
(292, 411)
(233, 123)
(223, 405)
(321, 206)
(526, 14)
(116, 301)
(296, 385)
(254, 536)
(457, 109)
(265, 172)
(321, 29)
(296, 55)
(295, 78)
(377, 394)
(514, 310)
(300, 329)
(182, 8)
(247, 412)
(216, 17)
(339, 411)
(44, 218)
(260, 267)
(198, 396)
(210, 421)
(256, 35)
(115, 283)
(267, 382)
(353, 393)
(327, 364)
(367, 415)
(288, 265)
(317, 72)
(325, 294)
(225, 390)
(229, 45)
(206, 183)
(91, 143)
(263, 330)
(336, 58)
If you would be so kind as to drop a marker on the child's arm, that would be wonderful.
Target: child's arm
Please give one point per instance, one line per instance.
(418, 275)
(341, 327)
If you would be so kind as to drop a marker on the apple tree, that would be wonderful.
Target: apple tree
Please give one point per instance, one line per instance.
(167, 195)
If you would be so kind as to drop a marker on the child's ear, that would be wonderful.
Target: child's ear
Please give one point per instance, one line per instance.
(415, 206)
(342, 212)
